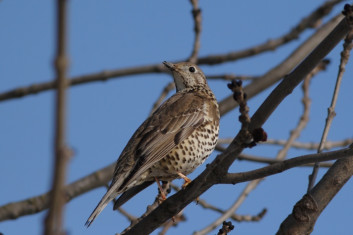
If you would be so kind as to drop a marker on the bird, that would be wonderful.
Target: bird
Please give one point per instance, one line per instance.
(178, 137)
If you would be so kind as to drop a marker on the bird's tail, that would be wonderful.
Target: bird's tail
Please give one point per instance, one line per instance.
(110, 195)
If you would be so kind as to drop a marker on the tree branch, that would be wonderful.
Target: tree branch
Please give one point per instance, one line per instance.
(39, 203)
(214, 171)
(234, 178)
(55, 216)
(279, 71)
(181, 199)
(308, 209)
(307, 22)
(347, 47)
(196, 13)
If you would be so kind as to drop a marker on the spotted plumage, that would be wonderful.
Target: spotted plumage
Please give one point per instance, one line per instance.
(172, 142)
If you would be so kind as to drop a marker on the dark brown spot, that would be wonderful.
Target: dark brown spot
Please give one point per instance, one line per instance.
(177, 156)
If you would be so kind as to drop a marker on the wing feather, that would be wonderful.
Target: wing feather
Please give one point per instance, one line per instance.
(173, 122)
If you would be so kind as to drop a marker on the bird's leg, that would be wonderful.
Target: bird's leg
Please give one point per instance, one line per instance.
(186, 179)
(160, 189)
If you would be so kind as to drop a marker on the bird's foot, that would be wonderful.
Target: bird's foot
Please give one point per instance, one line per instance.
(162, 196)
(186, 179)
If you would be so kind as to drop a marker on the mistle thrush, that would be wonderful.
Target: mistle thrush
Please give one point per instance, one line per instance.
(172, 142)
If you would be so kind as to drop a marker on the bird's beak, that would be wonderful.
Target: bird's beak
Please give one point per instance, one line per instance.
(169, 65)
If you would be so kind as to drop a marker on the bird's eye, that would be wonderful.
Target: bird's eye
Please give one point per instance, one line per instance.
(192, 69)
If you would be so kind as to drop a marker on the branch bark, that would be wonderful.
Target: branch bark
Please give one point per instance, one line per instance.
(54, 219)
(308, 209)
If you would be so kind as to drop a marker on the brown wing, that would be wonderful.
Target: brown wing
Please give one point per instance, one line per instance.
(173, 122)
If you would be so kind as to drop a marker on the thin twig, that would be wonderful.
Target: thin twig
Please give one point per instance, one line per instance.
(235, 217)
(230, 77)
(129, 216)
(347, 47)
(310, 21)
(55, 216)
(173, 222)
(312, 146)
(239, 218)
(234, 178)
(249, 187)
(196, 13)
(257, 159)
(170, 86)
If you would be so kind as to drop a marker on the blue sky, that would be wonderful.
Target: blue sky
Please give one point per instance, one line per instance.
(102, 116)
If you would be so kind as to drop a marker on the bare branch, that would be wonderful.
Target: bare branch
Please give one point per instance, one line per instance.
(235, 217)
(310, 21)
(170, 86)
(249, 187)
(130, 217)
(313, 146)
(307, 22)
(196, 13)
(294, 78)
(39, 203)
(150, 208)
(234, 178)
(55, 216)
(308, 209)
(280, 156)
(173, 222)
(230, 77)
(210, 176)
(279, 71)
(214, 171)
(347, 47)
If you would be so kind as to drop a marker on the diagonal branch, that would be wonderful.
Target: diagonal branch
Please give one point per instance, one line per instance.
(280, 156)
(181, 199)
(215, 171)
(281, 70)
(308, 209)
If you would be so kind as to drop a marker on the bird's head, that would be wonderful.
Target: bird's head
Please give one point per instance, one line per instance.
(186, 75)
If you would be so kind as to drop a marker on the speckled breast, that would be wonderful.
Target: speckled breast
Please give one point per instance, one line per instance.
(188, 154)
